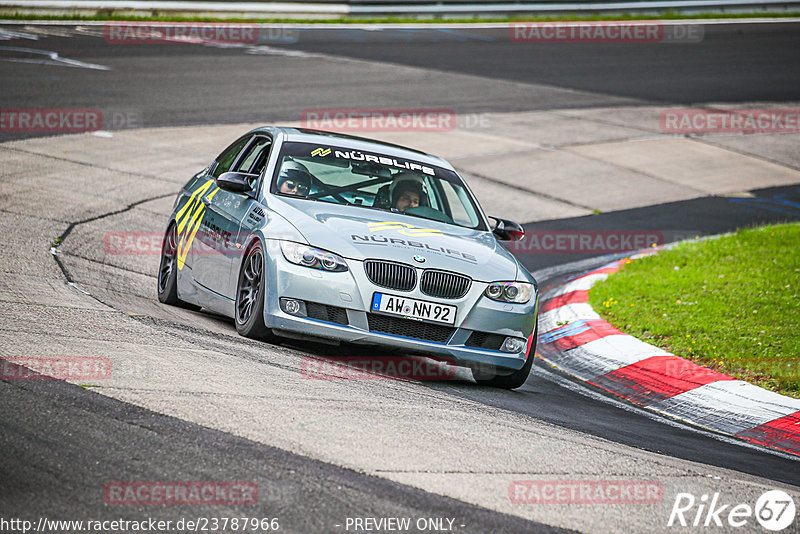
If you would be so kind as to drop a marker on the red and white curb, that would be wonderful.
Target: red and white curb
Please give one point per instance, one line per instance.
(575, 339)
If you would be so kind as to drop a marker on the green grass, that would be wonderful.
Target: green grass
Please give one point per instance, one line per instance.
(666, 15)
(731, 304)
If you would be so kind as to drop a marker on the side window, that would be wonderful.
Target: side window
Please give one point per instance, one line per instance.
(458, 198)
(255, 157)
(226, 159)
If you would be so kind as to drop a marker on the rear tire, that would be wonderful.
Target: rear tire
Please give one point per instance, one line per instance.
(250, 294)
(168, 271)
(488, 377)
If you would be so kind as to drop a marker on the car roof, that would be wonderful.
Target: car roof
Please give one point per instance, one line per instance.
(305, 135)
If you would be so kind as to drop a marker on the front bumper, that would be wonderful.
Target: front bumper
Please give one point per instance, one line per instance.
(352, 291)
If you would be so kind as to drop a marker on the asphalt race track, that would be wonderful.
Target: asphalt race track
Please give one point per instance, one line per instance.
(165, 84)
(196, 402)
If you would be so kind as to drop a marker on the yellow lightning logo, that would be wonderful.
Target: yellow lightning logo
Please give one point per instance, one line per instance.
(189, 218)
(402, 228)
(320, 151)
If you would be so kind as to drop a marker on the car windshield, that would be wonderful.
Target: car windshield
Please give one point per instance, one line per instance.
(374, 181)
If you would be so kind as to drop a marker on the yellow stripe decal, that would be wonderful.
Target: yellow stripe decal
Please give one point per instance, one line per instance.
(189, 206)
(402, 228)
(189, 219)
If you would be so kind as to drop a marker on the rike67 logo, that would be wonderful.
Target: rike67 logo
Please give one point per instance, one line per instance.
(774, 510)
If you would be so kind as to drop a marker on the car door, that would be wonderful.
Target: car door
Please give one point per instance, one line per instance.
(209, 250)
(218, 251)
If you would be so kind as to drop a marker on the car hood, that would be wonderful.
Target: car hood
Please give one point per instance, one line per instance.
(362, 233)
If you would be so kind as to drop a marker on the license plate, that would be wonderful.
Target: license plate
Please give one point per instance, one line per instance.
(414, 309)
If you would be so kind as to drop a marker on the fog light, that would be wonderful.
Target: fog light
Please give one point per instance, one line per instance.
(293, 307)
(513, 344)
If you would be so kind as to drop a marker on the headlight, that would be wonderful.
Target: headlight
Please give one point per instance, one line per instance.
(516, 292)
(312, 257)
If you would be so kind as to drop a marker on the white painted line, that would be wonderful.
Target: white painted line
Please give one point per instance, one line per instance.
(7, 35)
(52, 58)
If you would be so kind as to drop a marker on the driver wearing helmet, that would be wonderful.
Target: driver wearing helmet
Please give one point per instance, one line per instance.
(408, 191)
(294, 179)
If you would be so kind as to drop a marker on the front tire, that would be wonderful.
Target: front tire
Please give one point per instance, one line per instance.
(486, 377)
(250, 294)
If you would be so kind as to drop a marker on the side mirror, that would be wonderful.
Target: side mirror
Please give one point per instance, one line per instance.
(506, 230)
(235, 182)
